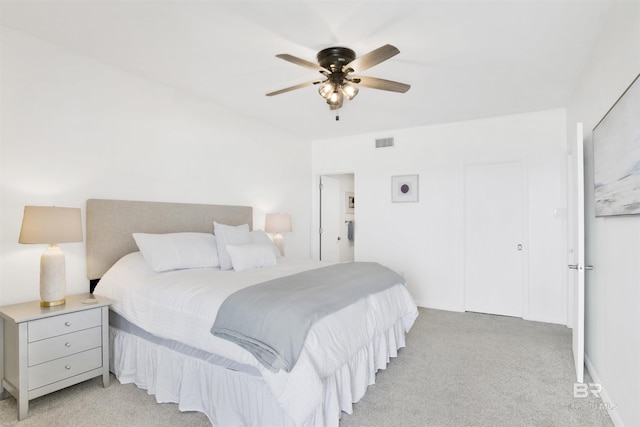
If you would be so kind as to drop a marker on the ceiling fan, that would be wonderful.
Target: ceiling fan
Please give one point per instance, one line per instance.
(337, 65)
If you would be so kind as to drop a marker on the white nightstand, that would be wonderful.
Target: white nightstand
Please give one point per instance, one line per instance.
(50, 348)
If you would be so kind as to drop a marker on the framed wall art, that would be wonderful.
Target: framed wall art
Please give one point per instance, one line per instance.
(404, 188)
(616, 156)
(350, 202)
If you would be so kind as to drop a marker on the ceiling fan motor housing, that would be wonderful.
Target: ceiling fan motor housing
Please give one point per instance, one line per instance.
(334, 58)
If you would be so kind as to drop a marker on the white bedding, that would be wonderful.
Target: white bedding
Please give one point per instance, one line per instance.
(182, 305)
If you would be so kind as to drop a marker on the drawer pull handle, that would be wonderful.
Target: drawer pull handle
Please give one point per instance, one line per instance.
(67, 367)
(67, 324)
(68, 344)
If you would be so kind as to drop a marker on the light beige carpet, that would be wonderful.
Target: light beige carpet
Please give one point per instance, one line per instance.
(459, 369)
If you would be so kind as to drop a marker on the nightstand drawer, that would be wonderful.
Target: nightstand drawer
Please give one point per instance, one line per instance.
(63, 324)
(64, 345)
(66, 367)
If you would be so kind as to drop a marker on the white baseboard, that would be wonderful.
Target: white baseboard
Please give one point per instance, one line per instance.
(458, 309)
(562, 322)
(438, 307)
(613, 414)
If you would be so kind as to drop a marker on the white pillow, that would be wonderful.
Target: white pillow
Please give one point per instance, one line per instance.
(174, 251)
(229, 235)
(259, 236)
(251, 255)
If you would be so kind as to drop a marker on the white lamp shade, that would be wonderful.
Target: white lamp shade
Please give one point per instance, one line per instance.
(277, 223)
(50, 224)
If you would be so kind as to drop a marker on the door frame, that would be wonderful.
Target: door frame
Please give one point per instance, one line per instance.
(523, 160)
(330, 201)
(314, 240)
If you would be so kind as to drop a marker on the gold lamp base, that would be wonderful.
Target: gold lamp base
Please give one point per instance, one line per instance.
(52, 303)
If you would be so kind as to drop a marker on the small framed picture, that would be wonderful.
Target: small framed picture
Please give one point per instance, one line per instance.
(404, 188)
(349, 202)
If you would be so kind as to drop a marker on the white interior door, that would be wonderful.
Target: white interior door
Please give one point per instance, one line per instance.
(577, 251)
(494, 245)
(330, 203)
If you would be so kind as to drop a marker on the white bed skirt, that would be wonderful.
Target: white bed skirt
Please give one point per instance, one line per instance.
(232, 398)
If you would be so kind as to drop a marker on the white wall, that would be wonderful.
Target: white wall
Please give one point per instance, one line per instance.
(73, 129)
(424, 241)
(613, 243)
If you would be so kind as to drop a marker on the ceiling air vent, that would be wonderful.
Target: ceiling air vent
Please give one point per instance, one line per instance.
(384, 142)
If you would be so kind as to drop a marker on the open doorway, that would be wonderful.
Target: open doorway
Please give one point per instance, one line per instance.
(337, 218)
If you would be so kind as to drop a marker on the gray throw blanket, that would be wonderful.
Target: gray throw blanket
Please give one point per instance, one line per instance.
(271, 319)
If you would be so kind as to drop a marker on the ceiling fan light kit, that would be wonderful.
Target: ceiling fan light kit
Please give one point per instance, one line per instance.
(336, 64)
(350, 90)
(326, 89)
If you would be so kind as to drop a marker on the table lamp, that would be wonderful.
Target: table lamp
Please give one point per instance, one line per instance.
(51, 225)
(278, 223)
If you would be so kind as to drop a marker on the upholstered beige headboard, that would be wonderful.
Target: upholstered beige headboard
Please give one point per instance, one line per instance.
(110, 224)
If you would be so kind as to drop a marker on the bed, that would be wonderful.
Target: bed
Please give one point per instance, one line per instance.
(166, 334)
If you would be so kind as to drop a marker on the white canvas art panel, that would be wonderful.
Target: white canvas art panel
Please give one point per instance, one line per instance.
(616, 156)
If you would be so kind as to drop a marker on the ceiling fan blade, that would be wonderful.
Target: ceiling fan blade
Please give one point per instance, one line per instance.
(300, 86)
(382, 84)
(372, 58)
(301, 62)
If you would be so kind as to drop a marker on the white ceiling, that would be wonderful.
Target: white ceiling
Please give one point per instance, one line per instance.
(463, 59)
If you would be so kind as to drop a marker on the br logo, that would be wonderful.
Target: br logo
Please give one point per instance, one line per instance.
(581, 390)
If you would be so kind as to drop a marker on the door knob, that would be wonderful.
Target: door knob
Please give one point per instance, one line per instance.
(573, 266)
(519, 247)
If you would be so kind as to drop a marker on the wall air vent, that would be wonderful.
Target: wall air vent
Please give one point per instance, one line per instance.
(384, 142)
